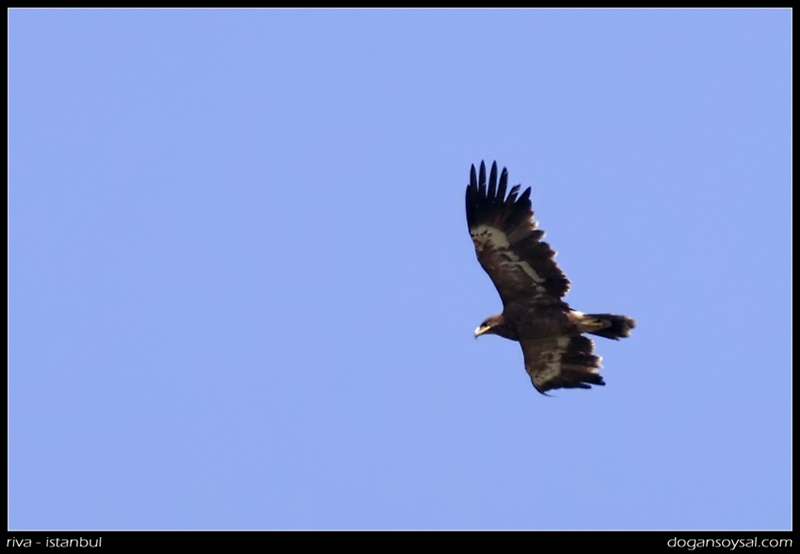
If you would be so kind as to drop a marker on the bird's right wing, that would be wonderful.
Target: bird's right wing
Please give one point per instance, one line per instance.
(565, 362)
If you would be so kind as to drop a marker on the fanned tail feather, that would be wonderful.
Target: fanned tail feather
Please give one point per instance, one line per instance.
(614, 326)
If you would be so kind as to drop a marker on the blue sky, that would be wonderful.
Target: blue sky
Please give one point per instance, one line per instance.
(242, 292)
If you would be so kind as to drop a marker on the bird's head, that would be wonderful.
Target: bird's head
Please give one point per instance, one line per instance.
(492, 326)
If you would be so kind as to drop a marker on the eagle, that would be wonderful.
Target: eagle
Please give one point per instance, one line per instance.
(531, 285)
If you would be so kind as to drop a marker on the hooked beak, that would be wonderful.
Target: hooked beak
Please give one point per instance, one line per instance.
(481, 330)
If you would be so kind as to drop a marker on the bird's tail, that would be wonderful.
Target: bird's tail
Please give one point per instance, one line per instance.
(609, 326)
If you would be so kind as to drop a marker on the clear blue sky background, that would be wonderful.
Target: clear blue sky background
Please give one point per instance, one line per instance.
(242, 292)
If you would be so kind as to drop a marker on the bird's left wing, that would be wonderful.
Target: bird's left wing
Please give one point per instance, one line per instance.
(507, 243)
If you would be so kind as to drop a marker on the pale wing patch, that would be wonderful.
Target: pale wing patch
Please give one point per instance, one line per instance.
(551, 361)
(485, 236)
(562, 363)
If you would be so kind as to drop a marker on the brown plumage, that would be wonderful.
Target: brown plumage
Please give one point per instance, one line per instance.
(531, 286)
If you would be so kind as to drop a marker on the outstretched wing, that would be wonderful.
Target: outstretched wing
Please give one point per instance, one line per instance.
(564, 362)
(507, 243)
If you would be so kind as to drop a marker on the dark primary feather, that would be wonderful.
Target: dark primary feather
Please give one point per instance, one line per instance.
(524, 267)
